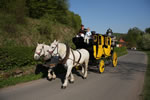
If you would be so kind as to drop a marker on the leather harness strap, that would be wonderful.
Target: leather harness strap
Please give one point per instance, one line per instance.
(79, 57)
(73, 57)
(63, 61)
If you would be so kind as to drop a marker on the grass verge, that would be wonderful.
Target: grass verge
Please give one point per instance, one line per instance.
(15, 80)
(121, 51)
(9, 77)
(146, 91)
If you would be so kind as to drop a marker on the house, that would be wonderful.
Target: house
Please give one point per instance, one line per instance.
(122, 43)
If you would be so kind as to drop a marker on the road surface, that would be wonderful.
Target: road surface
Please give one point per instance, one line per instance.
(125, 82)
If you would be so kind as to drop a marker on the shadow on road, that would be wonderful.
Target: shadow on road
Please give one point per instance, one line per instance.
(59, 70)
(41, 69)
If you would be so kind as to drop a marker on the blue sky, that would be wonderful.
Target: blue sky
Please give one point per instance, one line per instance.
(119, 15)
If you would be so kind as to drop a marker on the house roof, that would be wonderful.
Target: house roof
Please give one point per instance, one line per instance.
(121, 40)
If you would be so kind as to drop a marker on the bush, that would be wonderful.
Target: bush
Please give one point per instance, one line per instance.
(121, 51)
(11, 57)
(133, 37)
(145, 43)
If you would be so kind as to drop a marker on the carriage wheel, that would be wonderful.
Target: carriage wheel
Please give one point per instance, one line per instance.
(101, 66)
(114, 59)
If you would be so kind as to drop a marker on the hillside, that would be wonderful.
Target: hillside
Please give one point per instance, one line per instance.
(26, 22)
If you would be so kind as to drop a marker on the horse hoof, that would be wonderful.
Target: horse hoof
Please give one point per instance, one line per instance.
(84, 77)
(71, 82)
(50, 79)
(63, 87)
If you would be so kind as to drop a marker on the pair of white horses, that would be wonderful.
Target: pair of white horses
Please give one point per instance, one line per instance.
(70, 58)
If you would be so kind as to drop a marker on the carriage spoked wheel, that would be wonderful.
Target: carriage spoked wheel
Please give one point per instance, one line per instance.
(114, 59)
(101, 66)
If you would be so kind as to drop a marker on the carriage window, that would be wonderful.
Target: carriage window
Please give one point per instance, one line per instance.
(108, 41)
(100, 40)
(95, 38)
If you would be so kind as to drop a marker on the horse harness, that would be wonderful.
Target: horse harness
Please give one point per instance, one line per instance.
(74, 57)
(63, 61)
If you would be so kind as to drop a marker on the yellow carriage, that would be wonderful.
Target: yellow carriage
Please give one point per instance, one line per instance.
(102, 49)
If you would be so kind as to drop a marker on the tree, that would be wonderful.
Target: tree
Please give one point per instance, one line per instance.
(38, 8)
(133, 37)
(146, 42)
(147, 30)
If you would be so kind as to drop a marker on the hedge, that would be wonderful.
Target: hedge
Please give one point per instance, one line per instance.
(11, 57)
(121, 50)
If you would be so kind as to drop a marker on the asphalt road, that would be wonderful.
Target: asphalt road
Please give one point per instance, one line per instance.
(125, 82)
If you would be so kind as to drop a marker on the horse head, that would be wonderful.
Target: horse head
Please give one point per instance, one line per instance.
(39, 51)
(53, 49)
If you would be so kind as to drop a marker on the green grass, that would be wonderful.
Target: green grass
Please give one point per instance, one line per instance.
(121, 51)
(146, 92)
(28, 75)
(15, 80)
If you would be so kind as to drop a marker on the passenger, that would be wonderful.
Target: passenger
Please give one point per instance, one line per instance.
(82, 31)
(87, 36)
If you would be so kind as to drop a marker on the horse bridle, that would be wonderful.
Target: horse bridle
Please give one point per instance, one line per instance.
(51, 52)
(39, 53)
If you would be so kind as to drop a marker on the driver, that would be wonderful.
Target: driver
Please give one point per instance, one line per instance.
(82, 31)
(109, 32)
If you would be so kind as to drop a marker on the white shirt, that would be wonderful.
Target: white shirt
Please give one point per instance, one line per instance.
(82, 35)
(88, 33)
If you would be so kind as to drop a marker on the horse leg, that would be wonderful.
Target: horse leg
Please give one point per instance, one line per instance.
(72, 78)
(85, 69)
(53, 75)
(82, 70)
(49, 74)
(66, 78)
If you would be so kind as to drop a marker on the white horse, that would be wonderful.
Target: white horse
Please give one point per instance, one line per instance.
(70, 58)
(40, 51)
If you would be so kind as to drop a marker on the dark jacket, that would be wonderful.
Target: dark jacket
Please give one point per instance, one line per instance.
(82, 31)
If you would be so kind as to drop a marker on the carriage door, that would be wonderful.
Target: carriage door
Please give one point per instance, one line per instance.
(98, 46)
(107, 47)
